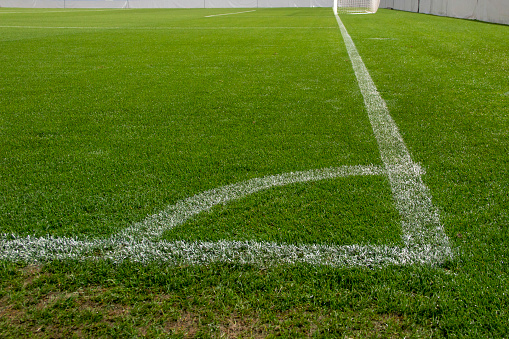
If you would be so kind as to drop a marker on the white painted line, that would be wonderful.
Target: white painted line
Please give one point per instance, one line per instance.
(62, 27)
(153, 227)
(35, 250)
(420, 220)
(140, 242)
(210, 16)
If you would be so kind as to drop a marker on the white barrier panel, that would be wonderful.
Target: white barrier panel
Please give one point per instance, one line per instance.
(231, 4)
(405, 5)
(462, 9)
(496, 11)
(164, 3)
(96, 3)
(322, 3)
(294, 3)
(424, 6)
(274, 3)
(33, 3)
(302, 3)
(440, 7)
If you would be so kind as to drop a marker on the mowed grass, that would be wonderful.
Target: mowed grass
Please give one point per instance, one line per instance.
(103, 126)
(334, 212)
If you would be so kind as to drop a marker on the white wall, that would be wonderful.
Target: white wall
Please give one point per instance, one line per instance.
(164, 3)
(485, 10)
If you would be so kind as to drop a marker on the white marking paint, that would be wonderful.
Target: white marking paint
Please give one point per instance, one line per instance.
(420, 222)
(423, 236)
(153, 227)
(140, 243)
(210, 16)
(49, 248)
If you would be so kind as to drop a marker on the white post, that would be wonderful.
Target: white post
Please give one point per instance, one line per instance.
(335, 8)
(376, 4)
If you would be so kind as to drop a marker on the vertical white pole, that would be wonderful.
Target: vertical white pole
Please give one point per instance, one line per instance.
(335, 8)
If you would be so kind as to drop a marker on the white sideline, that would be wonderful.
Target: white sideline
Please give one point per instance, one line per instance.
(425, 241)
(420, 220)
(33, 250)
(210, 16)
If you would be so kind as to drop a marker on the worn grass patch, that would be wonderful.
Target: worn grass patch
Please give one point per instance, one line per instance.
(210, 301)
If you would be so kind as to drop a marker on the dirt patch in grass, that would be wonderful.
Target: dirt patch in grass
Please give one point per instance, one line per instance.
(30, 273)
(40, 306)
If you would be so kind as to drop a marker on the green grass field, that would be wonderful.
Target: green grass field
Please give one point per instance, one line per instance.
(109, 117)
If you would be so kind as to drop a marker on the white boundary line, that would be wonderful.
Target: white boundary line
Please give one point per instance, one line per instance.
(424, 238)
(49, 248)
(152, 228)
(420, 222)
(139, 243)
(210, 16)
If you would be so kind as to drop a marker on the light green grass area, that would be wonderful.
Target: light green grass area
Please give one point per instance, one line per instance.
(109, 116)
(103, 127)
(347, 211)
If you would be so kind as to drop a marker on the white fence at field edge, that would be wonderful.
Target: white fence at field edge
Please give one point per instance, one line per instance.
(496, 11)
(164, 3)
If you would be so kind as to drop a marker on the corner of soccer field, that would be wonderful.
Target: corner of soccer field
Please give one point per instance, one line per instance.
(260, 172)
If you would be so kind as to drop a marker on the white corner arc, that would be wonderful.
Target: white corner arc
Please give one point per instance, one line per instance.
(425, 241)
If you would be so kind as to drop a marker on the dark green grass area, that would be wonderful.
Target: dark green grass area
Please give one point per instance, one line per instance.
(345, 211)
(102, 127)
(131, 133)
